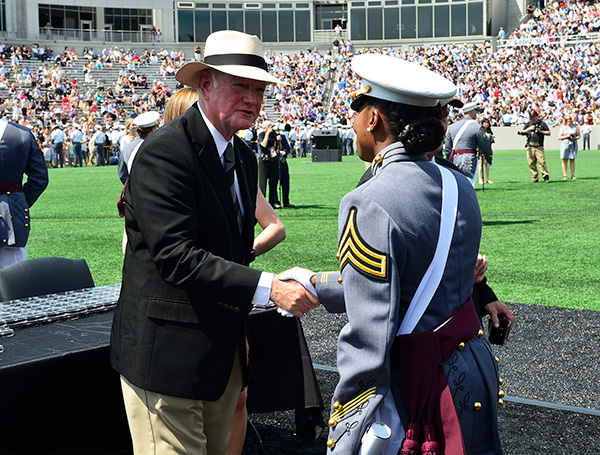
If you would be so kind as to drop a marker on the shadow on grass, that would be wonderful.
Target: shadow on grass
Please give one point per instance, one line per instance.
(504, 223)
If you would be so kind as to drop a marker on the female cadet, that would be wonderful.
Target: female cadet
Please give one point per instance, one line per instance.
(413, 354)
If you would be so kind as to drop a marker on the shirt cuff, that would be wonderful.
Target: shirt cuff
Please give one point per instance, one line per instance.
(263, 290)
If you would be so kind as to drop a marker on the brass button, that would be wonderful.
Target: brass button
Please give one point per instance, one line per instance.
(461, 345)
(0, 216)
(331, 443)
(27, 210)
(26, 225)
(378, 159)
(340, 279)
(480, 333)
(500, 403)
(501, 394)
(332, 422)
(337, 405)
(8, 192)
(237, 310)
(501, 381)
(337, 256)
(26, 217)
(497, 360)
(477, 406)
(4, 240)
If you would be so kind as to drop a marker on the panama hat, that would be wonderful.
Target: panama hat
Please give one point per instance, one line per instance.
(400, 81)
(230, 52)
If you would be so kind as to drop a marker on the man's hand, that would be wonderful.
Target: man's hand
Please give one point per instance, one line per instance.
(496, 308)
(293, 297)
(480, 267)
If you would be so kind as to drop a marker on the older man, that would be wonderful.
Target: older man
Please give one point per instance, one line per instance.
(178, 336)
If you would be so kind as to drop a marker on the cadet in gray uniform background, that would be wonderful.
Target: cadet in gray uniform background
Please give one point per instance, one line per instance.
(19, 155)
(388, 233)
(463, 138)
(146, 124)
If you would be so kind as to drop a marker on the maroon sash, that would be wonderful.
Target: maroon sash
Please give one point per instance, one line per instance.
(433, 423)
(461, 152)
(10, 187)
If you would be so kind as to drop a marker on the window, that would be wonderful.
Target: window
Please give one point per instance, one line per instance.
(408, 19)
(286, 25)
(425, 22)
(458, 18)
(358, 24)
(442, 20)
(475, 18)
(391, 27)
(185, 19)
(219, 20)
(202, 25)
(302, 24)
(269, 30)
(374, 18)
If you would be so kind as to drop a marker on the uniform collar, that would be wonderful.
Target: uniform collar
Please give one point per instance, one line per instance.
(392, 153)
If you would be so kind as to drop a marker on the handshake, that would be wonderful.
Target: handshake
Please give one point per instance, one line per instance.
(293, 291)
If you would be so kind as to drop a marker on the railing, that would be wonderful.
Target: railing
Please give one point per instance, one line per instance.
(560, 40)
(79, 34)
(327, 36)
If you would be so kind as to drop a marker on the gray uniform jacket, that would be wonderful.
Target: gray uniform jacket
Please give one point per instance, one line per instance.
(388, 232)
(19, 154)
(471, 139)
(124, 158)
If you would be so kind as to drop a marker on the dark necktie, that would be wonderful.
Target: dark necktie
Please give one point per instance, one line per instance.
(229, 178)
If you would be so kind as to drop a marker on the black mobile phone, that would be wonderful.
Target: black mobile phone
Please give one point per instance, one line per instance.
(499, 335)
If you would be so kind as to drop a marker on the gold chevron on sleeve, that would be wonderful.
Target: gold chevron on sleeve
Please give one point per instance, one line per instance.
(354, 250)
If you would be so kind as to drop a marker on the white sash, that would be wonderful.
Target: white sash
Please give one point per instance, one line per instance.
(433, 276)
(3, 125)
(461, 131)
(387, 412)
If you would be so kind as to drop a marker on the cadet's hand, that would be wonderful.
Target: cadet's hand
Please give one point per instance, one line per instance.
(496, 308)
(292, 297)
(480, 267)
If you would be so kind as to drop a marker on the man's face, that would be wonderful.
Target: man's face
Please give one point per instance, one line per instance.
(233, 103)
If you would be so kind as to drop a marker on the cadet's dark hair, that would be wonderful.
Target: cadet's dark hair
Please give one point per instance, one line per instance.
(418, 128)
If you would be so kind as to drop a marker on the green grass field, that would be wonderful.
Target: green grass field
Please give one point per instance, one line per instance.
(542, 240)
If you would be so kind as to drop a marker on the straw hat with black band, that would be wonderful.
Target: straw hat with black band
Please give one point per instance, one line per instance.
(230, 52)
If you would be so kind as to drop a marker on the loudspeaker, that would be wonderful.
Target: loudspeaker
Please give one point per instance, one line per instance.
(319, 155)
(326, 139)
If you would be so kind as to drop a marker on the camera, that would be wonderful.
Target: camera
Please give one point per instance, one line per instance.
(499, 335)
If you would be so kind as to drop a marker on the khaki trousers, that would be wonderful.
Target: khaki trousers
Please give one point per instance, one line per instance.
(535, 154)
(166, 425)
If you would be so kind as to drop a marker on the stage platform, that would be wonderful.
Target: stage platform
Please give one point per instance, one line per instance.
(551, 373)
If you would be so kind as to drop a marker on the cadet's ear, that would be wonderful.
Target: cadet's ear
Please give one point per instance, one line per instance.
(374, 119)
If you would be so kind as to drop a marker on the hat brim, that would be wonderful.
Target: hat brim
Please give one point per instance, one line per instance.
(189, 73)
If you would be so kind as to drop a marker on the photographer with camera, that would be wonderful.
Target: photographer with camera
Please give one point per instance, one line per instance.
(269, 144)
(535, 130)
(568, 136)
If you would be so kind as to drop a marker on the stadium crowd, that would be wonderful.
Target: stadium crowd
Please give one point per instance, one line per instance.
(547, 76)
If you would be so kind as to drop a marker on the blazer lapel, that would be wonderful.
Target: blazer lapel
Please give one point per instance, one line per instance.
(210, 160)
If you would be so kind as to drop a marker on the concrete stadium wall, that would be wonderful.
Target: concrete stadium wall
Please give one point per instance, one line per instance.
(508, 139)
